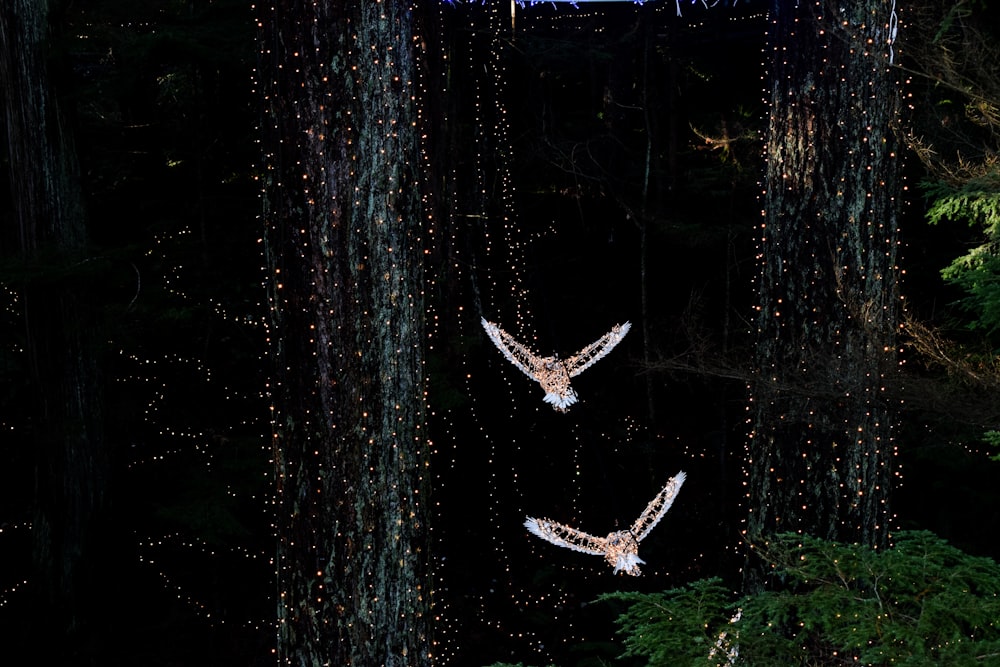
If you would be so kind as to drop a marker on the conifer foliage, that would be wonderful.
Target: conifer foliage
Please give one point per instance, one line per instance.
(922, 602)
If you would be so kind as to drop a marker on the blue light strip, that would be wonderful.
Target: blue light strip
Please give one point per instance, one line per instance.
(575, 3)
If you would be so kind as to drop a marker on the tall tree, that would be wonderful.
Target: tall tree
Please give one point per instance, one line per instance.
(955, 132)
(49, 240)
(821, 450)
(343, 245)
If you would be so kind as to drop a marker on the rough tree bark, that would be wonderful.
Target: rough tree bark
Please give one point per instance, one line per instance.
(66, 434)
(821, 448)
(63, 390)
(343, 245)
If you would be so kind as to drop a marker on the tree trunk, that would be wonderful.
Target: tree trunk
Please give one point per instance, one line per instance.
(821, 449)
(343, 245)
(66, 433)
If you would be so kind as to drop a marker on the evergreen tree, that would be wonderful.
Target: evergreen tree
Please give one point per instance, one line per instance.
(920, 602)
(954, 130)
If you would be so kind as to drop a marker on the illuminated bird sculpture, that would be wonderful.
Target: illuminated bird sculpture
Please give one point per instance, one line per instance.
(551, 372)
(620, 549)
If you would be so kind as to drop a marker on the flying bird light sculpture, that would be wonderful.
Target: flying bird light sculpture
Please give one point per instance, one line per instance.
(552, 372)
(621, 548)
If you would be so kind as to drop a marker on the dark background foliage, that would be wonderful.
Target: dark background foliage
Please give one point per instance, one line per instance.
(630, 134)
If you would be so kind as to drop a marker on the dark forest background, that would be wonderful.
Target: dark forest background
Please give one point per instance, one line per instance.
(619, 146)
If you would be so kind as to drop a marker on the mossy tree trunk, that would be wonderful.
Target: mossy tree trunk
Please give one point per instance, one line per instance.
(61, 342)
(344, 255)
(821, 450)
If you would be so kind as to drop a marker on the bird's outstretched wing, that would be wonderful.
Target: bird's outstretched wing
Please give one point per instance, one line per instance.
(517, 354)
(621, 548)
(590, 355)
(564, 536)
(551, 372)
(657, 507)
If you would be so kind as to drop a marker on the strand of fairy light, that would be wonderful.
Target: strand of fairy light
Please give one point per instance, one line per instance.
(8, 592)
(11, 310)
(908, 101)
(491, 296)
(501, 131)
(519, 595)
(509, 276)
(173, 278)
(431, 322)
(202, 445)
(269, 172)
(577, 21)
(470, 325)
(580, 519)
(446, 637)
(490, 89)
(442, 648)
(160, 393)
(557, 602)
(563, 598)
(758, 258)
(871, 50)
(172, 274)
(906, 98)
(148, 372)
(263, 172)
(148, 545)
